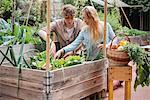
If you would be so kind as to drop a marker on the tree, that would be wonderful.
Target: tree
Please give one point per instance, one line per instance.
(144, 3)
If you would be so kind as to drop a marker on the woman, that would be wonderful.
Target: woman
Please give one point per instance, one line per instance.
(91, 35)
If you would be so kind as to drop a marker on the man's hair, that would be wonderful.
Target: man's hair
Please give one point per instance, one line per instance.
(68, 10)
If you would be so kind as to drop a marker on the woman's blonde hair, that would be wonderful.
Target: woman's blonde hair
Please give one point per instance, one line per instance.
(94, 20)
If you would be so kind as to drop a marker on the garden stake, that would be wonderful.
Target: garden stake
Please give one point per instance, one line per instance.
(48, 94)
(105, 29)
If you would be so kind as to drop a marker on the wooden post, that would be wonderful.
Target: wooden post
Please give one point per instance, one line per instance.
(110, 97)
(105, 27)
(127, 90)
(48, 36)
(47, 74)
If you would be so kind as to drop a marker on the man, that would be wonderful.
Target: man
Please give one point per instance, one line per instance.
(65, 29)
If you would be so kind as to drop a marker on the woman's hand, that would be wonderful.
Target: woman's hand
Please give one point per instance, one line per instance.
(59, 54)
(69, 54)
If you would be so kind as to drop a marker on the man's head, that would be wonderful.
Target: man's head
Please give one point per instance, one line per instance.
(68, 12)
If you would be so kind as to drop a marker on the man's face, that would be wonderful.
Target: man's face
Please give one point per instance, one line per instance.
(69, 21)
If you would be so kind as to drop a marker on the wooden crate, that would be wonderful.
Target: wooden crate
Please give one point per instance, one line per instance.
(71, 83)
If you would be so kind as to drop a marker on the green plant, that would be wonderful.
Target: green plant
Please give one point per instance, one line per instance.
(5, 6)
(69, 61)
(140, 57)
(8, 38)
(69, 2)
(79, 5)
(132, 32)
(113, 18)
(38, 61)
(144, 3)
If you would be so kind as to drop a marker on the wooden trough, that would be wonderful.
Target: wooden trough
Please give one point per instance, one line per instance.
(70, 83)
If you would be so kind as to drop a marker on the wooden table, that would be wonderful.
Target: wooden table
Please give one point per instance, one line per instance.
(121, 73)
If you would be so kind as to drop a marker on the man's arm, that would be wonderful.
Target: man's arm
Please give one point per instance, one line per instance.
(43, 32)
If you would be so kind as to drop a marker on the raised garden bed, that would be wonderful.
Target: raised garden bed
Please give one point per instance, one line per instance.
(141, 40)
(71, 83)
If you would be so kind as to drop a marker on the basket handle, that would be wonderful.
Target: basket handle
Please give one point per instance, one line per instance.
(118, 35)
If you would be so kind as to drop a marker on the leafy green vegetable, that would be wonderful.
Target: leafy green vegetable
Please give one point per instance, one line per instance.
(38, 61)
(139, 56)
(69, 61)
(58, 63)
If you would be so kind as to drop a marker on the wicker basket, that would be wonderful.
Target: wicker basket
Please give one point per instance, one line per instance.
(117, 58)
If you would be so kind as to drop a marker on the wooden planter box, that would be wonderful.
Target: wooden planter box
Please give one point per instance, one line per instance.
(71, 83)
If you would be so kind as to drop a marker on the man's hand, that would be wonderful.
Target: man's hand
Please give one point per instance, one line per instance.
(59, 54)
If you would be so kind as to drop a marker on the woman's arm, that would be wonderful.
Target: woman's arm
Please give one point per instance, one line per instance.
(75, 43)
(71, 46)
(110, 35)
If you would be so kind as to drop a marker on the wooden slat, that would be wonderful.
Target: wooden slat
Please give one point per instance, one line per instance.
(67, 92)
(7, 97)
(79, 95)
(75, 79)
(120, 73)
(22, 84)
(77, 70)
(26, 75)
(23, 93)
(86, 93)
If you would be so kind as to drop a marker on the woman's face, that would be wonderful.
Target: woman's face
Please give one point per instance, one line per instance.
(69, 21)
(85, 18)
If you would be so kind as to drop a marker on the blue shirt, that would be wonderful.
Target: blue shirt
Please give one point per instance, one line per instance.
(84, 37)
